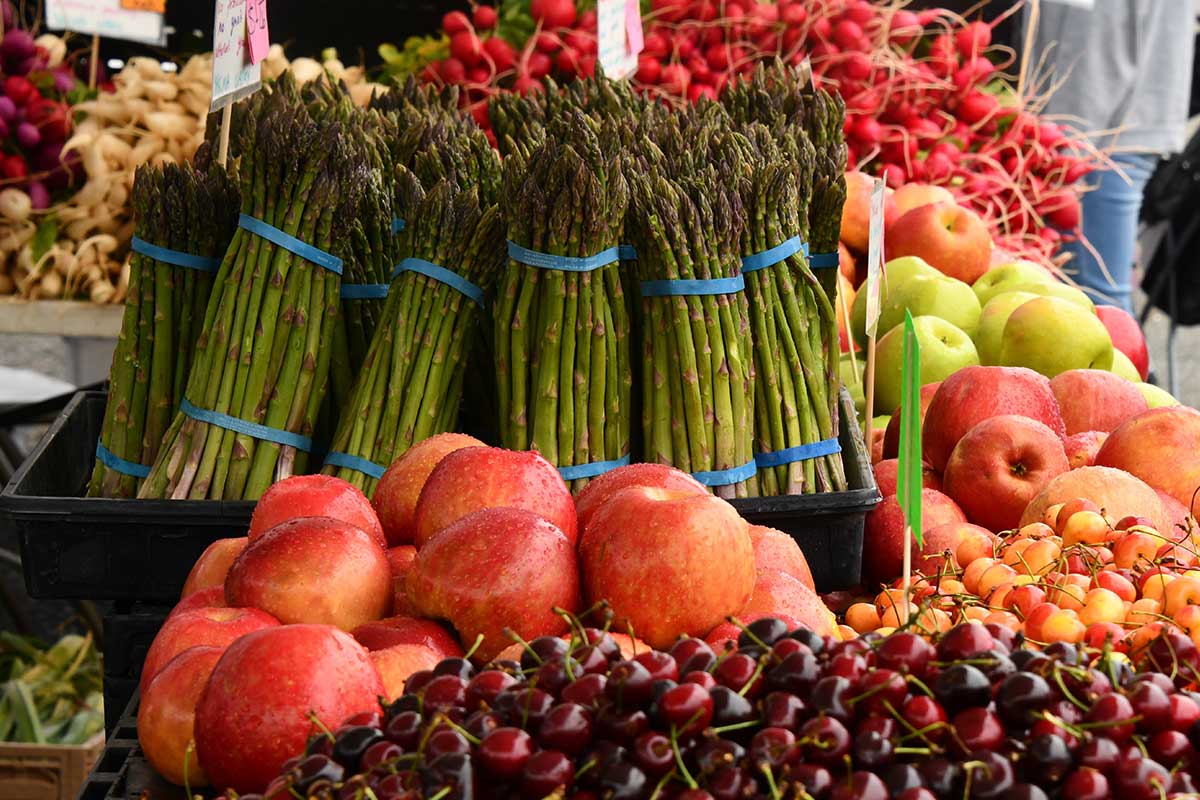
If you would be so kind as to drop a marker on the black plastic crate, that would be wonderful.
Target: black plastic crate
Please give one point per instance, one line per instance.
(76, 548)
(129, 629)
(122, 772)
(828, 527)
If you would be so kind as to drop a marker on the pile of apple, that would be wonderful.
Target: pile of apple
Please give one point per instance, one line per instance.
(469, 551)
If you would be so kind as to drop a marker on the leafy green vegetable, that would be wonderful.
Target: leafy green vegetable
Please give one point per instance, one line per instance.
(44, 237)
(50, 695)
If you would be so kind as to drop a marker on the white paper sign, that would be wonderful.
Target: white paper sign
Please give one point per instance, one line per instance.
(874, 257)
(612, 33)
(106, 18)
(234, 76)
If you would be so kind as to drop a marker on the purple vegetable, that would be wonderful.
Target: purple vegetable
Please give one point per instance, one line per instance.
(39, 195)
(8, 109)
(28, 135)
(46, 156)
(10, 15)
(18, 45)
(4, 129)
(64, 80)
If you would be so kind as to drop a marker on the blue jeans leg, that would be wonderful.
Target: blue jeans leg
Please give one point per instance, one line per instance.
(1110, 223)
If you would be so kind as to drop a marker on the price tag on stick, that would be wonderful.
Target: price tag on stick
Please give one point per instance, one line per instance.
(256, 30)
(234, 76)
(619, 36)
(874, 276)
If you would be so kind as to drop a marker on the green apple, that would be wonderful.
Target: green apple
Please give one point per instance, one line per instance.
(1052, 335)
(1156, 397)
(923, 296)
(945, 349)
(1124, 367)
(1004, 277)
(1059, 290)
(896, 272)
(991, 324)
(853, 380)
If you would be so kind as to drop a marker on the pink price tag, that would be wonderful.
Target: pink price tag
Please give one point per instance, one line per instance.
(633, 26)
(256, 30)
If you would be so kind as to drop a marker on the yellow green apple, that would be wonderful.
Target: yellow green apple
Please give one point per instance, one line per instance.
(1005, 277)
(1059, 290)
(1124, 367)
(1051, 335)
(926, 294)
(1157, 397)
(991, 324)
(945, 349)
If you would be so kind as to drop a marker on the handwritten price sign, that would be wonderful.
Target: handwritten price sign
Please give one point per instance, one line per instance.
(256, 30)
(111, 19)
(234, 74)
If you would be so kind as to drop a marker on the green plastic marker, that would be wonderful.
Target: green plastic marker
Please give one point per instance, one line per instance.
(909, 477)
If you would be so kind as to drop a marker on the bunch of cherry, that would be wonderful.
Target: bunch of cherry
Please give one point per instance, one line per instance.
(785, 715)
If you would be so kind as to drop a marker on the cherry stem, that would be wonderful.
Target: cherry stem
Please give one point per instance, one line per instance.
(474, 647)
(758, 671)
(765, 768)
(683, 770)
(443, 793)
(737, 726)
(658, 787)
(312, 717)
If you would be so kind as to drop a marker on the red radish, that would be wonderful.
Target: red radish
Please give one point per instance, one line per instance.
(502, 53)
(675, 79)
(669, 10)
(479, 112)
(974, 38)
(705, 12)
(455, 22)
(685, 48)
(938, 167)
(587, 66)
(14, 167)
(1061, 210)
(977, 107)
(525, 83)
(848, 35)
(861, 12)
(821, 28)
(567, 61)
(793, 15)
(466, 47)
(857, 66)
(649, 70)
(538, 65)
(480, 76)
(699, 90)
(553, 13)
(547, 42)
(905, 27)
(655, 45)
(452, 71)
(587, 20)
(867, 130)
(893, 174)
(484, 17)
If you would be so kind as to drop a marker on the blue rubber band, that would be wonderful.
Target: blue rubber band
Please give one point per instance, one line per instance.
(725, 477)
(290, 243)
(364, 291)
(824, 260)
(592, 470)
(442, 275)
(113, 461)
(251, 429)
(801, 452)
(627, 252)
(336, 459)
(769, 258)
(689, 287)
(176, 257)
(533, 258)
(397, 225)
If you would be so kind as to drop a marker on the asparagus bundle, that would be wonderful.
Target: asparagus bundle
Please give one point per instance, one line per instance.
(788, 310)
(262, 362)
(697, 377)
(564, 381)
(185, 214)
(412, 381)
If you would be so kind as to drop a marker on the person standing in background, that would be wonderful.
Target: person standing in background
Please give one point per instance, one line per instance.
(1125, 68)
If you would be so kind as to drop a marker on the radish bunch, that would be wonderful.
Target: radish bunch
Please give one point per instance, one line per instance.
(36, 89)
(928, 95)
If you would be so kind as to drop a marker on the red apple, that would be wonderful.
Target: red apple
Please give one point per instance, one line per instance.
(315, 496)
(1095, 400)
(1126, 336)
(669, 562)
(883, 546)
(256, 711)
(1081, 449)
(397, 663)
(1117, 493)
(218, 627)
(408, 630)
(213, 564)
(1174, 511)
(999, 466)
(856, 211)
(915, 195)
(973, 394)
(395, 496)
(400, 559)
(493, 569)
(313, 569)
(778, 594)
(847, 266)
(946, 539)
(776, 550)
(597, 492)
(887, 472)
(1162, 447)
(891, 437)
(167, 714)
(949, 237)
(212, 597)
(475, 478)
